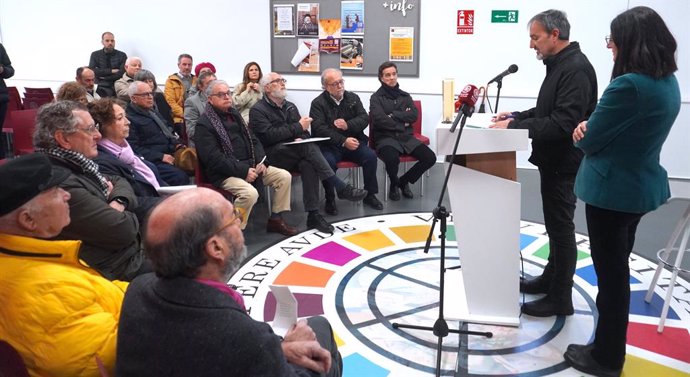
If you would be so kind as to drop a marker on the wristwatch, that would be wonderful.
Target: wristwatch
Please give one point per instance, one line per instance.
(122, 200)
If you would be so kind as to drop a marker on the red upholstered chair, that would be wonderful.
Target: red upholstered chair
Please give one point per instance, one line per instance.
(39, 91)
(34, 101)
(11, 363)
(15, 100)
(345, 164)
(201, 181)
(405, 158)
(22, 123)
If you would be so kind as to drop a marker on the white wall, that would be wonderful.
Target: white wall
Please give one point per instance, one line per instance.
(48, 40)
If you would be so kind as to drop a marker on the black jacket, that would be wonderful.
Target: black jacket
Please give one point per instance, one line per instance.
(324, 111)
(102, 64)
(247, 150)
(567, 96)
(7, 72)
(275, 124)
(180, 327)
(146, 137)
(391, 121)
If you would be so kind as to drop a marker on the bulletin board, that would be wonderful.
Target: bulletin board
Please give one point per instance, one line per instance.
(386, 29)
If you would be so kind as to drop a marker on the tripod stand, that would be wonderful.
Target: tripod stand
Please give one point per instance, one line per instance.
(440, 327)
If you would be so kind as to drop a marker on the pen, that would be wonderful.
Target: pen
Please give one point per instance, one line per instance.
(262, 161)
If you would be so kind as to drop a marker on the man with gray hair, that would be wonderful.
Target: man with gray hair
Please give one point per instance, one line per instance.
(132, 66)
(568, 95)
(234, 160)
(196, 103)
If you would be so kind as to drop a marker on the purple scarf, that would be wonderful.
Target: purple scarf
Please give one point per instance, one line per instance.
(125, 154)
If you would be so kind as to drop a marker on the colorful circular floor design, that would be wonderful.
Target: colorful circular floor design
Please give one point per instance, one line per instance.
(372, 272)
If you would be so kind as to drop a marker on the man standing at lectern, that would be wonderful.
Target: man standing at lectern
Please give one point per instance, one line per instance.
(568, 95)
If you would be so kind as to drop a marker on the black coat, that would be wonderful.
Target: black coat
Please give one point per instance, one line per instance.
(247, 150)
(275, 124)
(324, 111)
(146, 137)
(567, 96)
(180, 327)
(102, 64)
(391, 121)
(7, 72)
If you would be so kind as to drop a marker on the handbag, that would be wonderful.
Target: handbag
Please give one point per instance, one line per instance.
(186, 160)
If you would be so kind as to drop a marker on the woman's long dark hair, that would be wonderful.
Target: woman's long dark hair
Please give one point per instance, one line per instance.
(644, 43)
(245, 75)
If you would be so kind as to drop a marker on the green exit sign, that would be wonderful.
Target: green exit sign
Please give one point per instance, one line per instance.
(504, 16)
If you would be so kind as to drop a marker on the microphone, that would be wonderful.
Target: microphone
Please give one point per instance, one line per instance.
(468, 98)
(512, 69)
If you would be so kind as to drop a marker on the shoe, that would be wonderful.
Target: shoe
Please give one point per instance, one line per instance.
(548, 306)
(279, 225)
(319, 223)
(352, 194)
(406, 192)
(394, 193)
(580, 357)
(534, 286)
(372, 202)
(331, 209)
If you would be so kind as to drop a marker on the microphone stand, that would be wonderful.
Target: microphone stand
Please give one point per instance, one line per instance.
(499, 85)
(440, 327)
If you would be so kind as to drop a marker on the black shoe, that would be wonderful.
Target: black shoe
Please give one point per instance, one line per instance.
(352, 194)
(372, 202)
(394, 193)
(406, 192)
(580, 357)
(534, 286)
(319, 223)
(331, 209)
(548, 306)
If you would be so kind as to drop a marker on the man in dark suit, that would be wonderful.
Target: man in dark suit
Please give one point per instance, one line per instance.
(108, 64)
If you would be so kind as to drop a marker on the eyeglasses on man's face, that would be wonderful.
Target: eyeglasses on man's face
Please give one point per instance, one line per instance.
(222, 94)
(92, 129)
(278, 81)
(337, 84)
(146, 94)
(236, 219)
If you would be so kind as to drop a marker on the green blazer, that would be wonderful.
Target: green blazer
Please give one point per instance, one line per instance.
(622, 144)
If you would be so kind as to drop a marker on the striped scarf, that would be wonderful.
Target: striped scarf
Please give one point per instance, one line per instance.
(89, 167)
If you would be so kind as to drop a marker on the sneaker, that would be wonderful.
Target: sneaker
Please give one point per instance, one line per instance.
(406, 192)
(331, 209)
(316, 221)
(352, 194)
(394, 193)
(372, 202)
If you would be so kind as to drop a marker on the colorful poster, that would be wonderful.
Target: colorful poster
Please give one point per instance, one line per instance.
(465, 22)
(401, 44)
(352, 17)
(310, 63)
(329, 35)
(308, 19)
(352, 53)
(283, 16)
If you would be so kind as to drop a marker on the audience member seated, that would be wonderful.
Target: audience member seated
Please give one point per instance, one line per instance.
(186, 321)
(276, 121)
(116, 157)
(72, 91)
(177, 88)
(108, 64)
(248, 92)
(159, 102)
(87, 78)
(196, 103)
(132, 66)
(234, 160)
(204, 67)
(150, 136)
(340, 115)
(57, 313)
(392, 113)
(100, 207)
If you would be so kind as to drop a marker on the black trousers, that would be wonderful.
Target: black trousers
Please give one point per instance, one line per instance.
(363, 155)
(3, 138)
(611, 239)
(391, 158)
(558, 202)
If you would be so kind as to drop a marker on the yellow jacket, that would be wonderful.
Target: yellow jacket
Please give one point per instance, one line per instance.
(57, 313)
(175, 95)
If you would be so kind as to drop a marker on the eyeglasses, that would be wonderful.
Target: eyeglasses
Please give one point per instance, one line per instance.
(236, 217)
(222, 94)
(608, 39)
(336, 84)
(147, 94)
(278, 81)
(92, 129)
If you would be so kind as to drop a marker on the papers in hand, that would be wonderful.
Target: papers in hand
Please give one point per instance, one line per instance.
(309, 140)
(286, 309)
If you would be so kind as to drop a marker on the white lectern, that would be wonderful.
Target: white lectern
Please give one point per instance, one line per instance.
(486, 214)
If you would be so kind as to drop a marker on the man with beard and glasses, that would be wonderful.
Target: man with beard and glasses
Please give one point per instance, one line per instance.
(568, 95)
(186, 321)
(108, 64)
(276, 121)
(87, 78)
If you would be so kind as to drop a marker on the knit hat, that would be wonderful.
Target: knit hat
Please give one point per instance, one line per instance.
(203, 65)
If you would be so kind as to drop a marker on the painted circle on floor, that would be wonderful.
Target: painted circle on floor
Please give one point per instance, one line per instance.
(373, 272)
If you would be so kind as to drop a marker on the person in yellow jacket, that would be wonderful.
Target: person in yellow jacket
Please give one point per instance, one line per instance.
(178, 87)
(56, 312)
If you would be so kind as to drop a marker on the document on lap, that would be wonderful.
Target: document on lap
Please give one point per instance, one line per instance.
(309, 140)
(286, 309)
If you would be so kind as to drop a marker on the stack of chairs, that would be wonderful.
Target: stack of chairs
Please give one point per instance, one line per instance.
(35, 97)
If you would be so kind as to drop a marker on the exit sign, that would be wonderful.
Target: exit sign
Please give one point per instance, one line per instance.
(504, 16)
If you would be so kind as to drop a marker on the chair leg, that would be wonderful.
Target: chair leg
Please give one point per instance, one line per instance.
(268, 200)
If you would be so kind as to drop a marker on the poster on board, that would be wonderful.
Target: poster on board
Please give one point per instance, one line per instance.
(311, 61)
(352, 53)
(401, 44)
(329, 35)
(283, 16)
(307, 19)
(352, 17)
